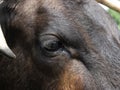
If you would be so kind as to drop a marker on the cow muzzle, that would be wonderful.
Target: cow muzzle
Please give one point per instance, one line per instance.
(4, 49)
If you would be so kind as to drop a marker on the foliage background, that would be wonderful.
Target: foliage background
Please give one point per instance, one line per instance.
(116, 16)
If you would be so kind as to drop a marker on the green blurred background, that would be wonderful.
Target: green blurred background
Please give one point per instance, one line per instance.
(116, 16)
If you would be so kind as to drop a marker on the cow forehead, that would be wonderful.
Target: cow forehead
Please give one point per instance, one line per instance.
(29, 10)
(58, 14)
(65, 16)
(28, 6)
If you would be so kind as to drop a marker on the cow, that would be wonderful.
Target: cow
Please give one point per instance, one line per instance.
(58, 45)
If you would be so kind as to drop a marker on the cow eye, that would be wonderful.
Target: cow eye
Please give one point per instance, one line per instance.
(52, 46)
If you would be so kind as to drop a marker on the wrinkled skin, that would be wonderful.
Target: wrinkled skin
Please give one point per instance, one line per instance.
(60, 45)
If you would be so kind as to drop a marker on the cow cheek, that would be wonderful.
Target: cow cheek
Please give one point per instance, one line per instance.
(75, 77)
(70, 80)
(67, 73)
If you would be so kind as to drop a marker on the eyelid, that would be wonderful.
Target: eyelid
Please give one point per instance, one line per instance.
(56, 35)
(53, 34)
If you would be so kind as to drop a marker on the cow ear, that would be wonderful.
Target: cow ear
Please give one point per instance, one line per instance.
(4, 49)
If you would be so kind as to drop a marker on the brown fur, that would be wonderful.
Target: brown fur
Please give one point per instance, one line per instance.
(87, 61)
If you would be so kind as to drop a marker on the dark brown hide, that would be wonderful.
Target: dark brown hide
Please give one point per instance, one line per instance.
(60, 45)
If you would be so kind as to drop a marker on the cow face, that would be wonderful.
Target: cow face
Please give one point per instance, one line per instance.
(61, 45)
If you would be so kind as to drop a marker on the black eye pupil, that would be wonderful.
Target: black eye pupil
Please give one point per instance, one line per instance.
(53, 46)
